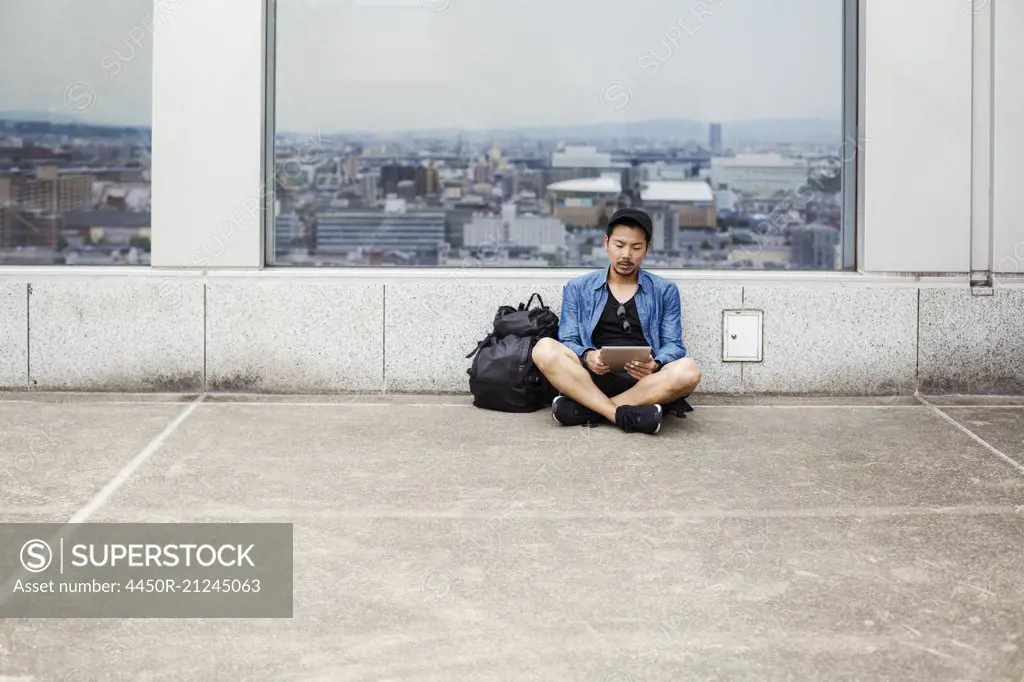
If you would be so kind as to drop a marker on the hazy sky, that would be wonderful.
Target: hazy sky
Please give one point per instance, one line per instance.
(399, 64)
(57, 51)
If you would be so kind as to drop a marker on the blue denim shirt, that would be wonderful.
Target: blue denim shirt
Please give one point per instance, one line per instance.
(657, 303)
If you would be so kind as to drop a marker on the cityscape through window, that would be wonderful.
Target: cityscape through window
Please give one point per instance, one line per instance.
(75, 138)
(505, 134)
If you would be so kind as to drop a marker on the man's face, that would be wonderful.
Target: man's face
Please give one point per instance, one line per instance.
(626, 248)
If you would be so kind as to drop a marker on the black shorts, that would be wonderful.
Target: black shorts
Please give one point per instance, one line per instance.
(613, 383)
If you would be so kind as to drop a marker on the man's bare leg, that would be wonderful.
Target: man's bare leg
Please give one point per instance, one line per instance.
(566, 373)
(676, 380)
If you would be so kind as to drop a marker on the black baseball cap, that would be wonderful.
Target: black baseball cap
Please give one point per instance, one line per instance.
(634, 217)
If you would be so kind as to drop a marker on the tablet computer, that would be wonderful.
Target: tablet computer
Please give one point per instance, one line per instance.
(616, 357)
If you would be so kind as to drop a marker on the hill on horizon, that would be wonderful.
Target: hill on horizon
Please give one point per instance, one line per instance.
(681, 130)
(798, 131)
(61, 118)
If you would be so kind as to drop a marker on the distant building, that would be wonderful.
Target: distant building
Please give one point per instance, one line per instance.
(661, 170)
(287, 229)
(112, 227)
(47, 190)
(692, 201)
(715, 138)
(122, 197)
(759, 174)
(576, 163)
(427, 181)
(814, 247)
(369, 186)
(394, 229)
(665, 230)
(24, 228)
(406, 190)
(351, 168)
(683, 212)
(31, 155)
(327, 182)
(393, 174)
(550, 176)
(580, 157)
(456, 220)
(581, 202)
(482, 174)
(761, 256)
(725, 201)
(507, 183)
(510, 229)
(31, 203)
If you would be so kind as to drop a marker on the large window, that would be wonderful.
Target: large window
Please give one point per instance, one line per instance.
(75, 114)
(440, 132)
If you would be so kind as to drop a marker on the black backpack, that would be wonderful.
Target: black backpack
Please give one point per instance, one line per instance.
(503, 376)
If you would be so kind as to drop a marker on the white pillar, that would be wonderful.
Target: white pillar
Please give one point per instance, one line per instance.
(917, 124)
(1008, 152)
(208, 110)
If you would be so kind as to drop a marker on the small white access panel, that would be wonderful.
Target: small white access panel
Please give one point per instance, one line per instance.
(741, 335)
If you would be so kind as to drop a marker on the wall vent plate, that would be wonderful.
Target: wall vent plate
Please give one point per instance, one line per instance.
(742, 338)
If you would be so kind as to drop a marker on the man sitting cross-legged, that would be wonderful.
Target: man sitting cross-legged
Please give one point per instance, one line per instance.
(618, 306)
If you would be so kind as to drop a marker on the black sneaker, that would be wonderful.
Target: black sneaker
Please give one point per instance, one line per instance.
(642, 418)
(568, 412)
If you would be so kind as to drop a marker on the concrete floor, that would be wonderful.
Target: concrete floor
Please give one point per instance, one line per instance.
(757, 539)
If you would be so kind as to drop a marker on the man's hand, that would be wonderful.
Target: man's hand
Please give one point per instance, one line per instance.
(638, 370)
(595, 364)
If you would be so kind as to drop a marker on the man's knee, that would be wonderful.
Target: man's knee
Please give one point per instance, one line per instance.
(683, 375)
(546, 352)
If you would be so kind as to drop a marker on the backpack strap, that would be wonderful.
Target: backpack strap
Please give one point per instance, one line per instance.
(539, 300)
(480, 344)
(526, 357)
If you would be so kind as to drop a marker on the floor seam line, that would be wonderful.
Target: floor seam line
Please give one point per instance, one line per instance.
(965, 510)
(991, 448)
(137, 461)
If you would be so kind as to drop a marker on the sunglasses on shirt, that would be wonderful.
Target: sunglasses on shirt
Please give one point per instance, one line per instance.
(621, 312)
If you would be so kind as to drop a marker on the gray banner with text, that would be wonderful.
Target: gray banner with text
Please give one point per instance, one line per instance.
(146, 570)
